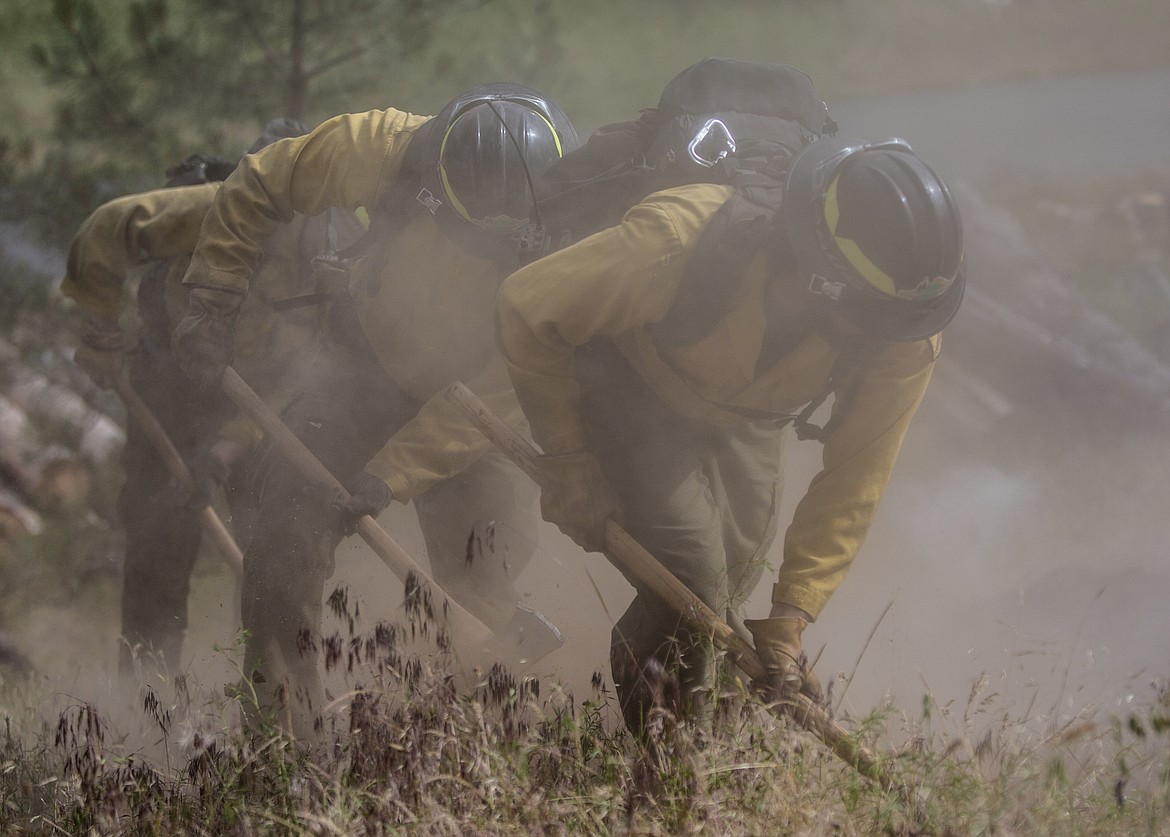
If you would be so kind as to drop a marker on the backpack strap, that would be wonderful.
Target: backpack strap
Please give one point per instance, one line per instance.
(801, 422)
(391, 215)
(858, 354)
(855, 355)
(395, 208)
(718, 265)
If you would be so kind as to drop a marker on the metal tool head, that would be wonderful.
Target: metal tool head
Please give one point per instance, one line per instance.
(530, 636)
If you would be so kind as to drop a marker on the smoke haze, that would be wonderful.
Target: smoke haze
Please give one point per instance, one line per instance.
(1023, 536)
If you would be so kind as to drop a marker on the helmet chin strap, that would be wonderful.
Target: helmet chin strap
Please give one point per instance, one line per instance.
(790, 306)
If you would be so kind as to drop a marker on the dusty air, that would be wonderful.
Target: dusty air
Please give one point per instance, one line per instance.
(638, 441)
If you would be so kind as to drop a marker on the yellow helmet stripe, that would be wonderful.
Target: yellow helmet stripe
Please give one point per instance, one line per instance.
(849, 249)
(447, 190)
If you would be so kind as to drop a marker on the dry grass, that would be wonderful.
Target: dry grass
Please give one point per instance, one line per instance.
(410, 747)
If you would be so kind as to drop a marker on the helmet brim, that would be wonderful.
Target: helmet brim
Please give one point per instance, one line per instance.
(885, 318)
(902, 322)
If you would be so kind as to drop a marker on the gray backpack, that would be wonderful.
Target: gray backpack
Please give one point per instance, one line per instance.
(721, 121)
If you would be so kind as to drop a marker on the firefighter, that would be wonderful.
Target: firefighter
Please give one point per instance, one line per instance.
(447, 196)
(860, 268)
(162, 528)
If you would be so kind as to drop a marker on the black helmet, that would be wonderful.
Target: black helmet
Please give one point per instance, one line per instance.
(877, 235)
(198, 169)
(483, 159)
(282, 127)
(208, 168)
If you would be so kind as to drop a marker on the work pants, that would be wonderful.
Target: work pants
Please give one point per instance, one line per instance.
(702, 499)
(479, 526)
(163, 534)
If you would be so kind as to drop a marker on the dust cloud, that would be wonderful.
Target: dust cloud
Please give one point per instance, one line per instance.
(1023, 538)
(1021, 546)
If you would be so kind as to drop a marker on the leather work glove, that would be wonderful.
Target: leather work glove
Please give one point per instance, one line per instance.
(367, 495)
(102, 352)
(204, 340)
(209, 472)
(210, 467)
(786, 672)
(576, 497)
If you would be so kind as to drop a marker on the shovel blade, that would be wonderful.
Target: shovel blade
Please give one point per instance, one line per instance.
(529, 637)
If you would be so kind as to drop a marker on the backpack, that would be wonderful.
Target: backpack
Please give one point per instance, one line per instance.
(720, 121)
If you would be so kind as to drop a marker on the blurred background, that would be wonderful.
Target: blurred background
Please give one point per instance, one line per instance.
(1020, 554)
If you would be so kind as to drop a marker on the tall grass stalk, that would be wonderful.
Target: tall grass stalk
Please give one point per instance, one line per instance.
(410, 747)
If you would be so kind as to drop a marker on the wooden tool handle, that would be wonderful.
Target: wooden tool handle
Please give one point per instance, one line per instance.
(468, 630)
(623, 550)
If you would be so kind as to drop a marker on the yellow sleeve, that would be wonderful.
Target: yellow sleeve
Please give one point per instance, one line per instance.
(832, 520)
(126, 232)
(439, 442)
(348, 162)
(616, 280)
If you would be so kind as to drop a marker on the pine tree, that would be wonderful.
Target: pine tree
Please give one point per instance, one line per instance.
(140, 84)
